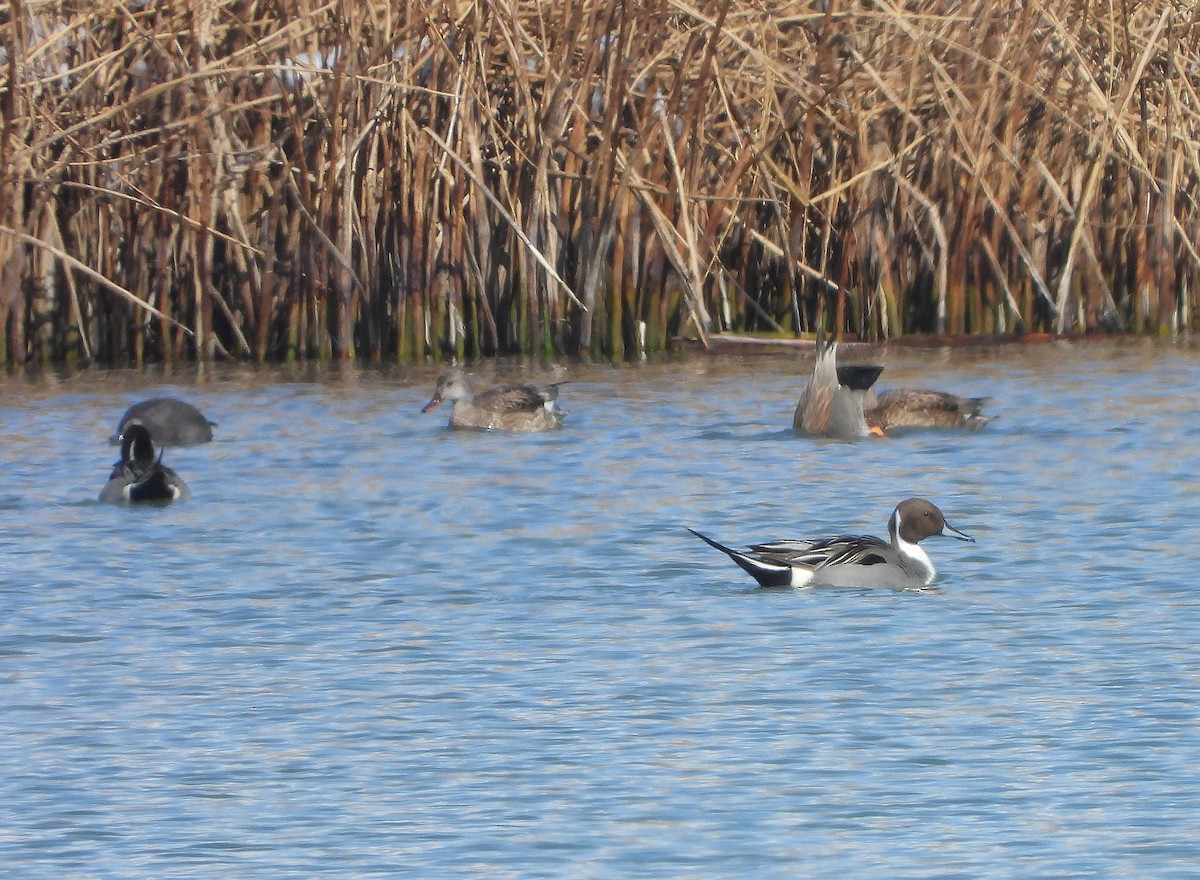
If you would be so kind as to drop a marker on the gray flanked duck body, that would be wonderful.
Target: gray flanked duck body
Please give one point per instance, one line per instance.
(170, 421)
(519, 408)
(851, 560)
(140, 476)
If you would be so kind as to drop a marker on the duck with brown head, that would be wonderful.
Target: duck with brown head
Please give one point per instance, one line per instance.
(851, 560)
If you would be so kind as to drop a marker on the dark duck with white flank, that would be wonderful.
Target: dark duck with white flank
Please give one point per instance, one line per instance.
(140, 476)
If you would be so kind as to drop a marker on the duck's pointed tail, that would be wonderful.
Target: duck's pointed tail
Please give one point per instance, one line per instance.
(768, 574)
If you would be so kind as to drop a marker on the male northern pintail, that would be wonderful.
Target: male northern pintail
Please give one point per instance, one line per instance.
(524, 408)
(139, 475)
(831, 405)
(851, 560)
(170, 421)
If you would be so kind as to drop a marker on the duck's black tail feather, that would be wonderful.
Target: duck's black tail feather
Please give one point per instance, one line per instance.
(768, 574)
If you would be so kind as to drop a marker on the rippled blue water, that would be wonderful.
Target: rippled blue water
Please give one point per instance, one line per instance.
(373, 647)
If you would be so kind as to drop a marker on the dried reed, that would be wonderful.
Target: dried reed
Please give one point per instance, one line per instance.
(303, 179)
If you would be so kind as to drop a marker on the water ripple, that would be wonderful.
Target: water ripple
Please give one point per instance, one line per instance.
(371, 646)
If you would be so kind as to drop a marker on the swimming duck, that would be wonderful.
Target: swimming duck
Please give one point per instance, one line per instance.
(170, 421)
(524, 408)
(912, 408)
(139, 476)
(851, 560)
(831, 405)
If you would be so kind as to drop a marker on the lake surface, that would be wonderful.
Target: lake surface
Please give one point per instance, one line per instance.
(370, 646)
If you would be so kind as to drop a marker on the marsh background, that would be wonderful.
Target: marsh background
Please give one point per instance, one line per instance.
(391, 182)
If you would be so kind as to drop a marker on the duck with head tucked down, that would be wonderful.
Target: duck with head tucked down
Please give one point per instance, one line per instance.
(914, 408)
(839, 401)
(519, 408)
(170, 421)
(831, 405)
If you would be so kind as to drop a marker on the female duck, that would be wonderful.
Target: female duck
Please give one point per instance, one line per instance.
(913, 408)
(139, 476)
(523, 408)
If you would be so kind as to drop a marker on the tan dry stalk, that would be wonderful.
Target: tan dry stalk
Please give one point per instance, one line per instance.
(429, 179)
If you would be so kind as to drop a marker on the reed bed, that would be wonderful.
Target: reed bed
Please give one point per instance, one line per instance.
(400, 181)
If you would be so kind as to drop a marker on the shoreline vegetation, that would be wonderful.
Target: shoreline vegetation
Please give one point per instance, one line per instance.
(298, 180)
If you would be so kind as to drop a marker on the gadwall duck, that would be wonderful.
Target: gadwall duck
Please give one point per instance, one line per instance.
(139, 476)
(831, 405)
(912, 408)
(170, 421)
(524, 408)
(851, 560)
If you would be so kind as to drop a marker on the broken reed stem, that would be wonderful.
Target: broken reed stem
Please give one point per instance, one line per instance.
(427, 181)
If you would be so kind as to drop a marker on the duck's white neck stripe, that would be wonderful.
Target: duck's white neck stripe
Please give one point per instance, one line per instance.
(917, 556)
(913, 553)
